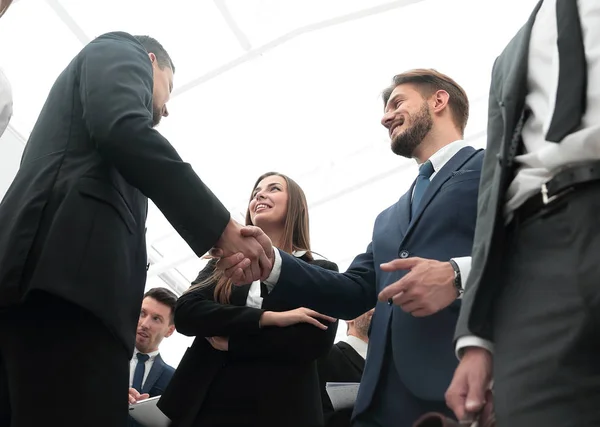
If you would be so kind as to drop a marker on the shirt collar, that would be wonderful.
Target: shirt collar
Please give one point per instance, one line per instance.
(358, 345)
(152, 355)
(441, 156)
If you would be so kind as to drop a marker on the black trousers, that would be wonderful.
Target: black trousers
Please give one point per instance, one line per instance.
(60, 366)
(546, 318)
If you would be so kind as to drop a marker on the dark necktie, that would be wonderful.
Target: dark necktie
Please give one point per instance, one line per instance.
(140, 370)
(572, 77)
(425, 171)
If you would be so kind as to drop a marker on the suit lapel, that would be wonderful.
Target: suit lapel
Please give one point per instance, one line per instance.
(155, 372)
(514, 87)
(443, 175)
(403, 207)
(352, 355)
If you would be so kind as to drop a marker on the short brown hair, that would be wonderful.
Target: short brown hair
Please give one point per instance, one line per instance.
(428, 81)
(166, 297)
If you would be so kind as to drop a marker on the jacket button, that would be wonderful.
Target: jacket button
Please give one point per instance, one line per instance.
(404, 253)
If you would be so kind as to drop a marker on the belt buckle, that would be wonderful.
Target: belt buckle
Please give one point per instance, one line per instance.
(546, 199)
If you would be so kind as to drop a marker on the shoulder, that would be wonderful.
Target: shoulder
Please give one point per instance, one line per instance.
(323, 263)
(206, 272)
(120, 44)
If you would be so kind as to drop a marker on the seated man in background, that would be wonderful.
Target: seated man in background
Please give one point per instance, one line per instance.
(149, 375)
(344, 363)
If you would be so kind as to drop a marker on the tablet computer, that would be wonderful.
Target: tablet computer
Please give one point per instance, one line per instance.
(147, 413)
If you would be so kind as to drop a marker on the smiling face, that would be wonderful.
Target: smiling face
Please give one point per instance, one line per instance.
(408, 119)
(268, 206)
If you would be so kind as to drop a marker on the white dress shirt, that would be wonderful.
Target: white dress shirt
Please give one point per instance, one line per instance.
(6, 102)
(148, 365)
(357, 344)
(254, 298)
(543, 159)
(438, 160)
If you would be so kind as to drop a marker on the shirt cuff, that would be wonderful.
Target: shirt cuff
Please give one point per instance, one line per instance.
(464, 266)
(275, 271)
(472, 341)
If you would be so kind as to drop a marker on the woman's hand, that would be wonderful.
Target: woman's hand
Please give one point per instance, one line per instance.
(219, 343)
(293, 317)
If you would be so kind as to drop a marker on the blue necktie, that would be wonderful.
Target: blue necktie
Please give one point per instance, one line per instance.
(425, 171)
(140, 369)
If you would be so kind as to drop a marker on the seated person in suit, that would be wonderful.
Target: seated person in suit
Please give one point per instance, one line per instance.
(344, 363)
(149, 375)
(253, 362)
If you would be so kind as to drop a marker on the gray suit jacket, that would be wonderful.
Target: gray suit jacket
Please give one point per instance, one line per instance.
(506, 103)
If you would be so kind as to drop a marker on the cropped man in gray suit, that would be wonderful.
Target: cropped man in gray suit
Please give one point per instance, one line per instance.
(533, 296)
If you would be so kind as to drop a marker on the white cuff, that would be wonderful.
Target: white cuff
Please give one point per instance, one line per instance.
(472, 341)
(464, 266)
(275, 271)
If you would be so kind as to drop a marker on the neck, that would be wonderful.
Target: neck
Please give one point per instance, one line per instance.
(433, 142)
(276, 236)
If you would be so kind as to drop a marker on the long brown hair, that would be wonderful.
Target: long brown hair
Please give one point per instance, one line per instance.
(296, 234)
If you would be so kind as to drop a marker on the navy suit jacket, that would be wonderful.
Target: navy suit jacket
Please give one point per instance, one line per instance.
(442, 228)
(157, 381)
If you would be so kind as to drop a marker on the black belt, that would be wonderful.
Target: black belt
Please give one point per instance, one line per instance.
(562, 184)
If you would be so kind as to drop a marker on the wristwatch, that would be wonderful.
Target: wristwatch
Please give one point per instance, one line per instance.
(457, 279)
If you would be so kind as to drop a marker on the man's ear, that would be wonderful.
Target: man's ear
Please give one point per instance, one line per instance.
(440, 100)
(170, 331)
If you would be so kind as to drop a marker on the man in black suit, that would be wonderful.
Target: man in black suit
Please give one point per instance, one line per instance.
(533, 296)
(149, 375)
(72, 242)
(344, 363)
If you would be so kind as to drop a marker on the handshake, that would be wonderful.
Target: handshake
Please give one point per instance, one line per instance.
(246, 253)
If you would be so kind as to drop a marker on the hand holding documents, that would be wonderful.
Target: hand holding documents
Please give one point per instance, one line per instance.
(147, 413)
(342, 395)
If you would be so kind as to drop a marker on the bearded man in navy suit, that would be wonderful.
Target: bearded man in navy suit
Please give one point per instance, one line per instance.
(413, 269)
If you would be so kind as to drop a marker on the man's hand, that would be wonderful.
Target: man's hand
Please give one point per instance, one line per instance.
(135, 396)
(469, 389)
(235, 266)
(426, 289)
(249, 252)
(219, 343)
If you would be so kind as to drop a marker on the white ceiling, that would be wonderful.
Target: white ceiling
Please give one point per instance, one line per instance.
(286, 85)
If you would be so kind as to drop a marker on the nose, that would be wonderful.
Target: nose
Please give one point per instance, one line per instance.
(260, 195)
(165, 111)
(387, 119)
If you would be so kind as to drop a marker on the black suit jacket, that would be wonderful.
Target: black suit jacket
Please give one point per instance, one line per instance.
(506, 102)
(267, 378)
(73, 220)
(341, 364)
(157, 381)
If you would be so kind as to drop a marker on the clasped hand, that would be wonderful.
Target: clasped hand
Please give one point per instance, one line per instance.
(427, 288)
(246, 253)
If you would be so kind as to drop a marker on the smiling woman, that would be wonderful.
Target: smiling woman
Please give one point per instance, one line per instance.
(253, 361)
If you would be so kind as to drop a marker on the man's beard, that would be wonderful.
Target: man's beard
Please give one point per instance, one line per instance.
(156, 116)
(405, 144)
